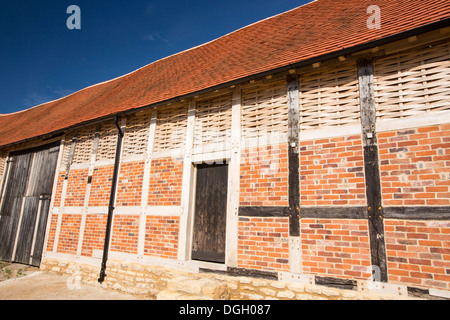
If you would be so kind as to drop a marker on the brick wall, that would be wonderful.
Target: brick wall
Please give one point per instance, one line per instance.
(76, 188)
(69, 233)
(101, 186)
(59, 188)
(336, 248)
(418, 253)
(52, 232)
(264, 176)
(332, 172)
(94, 234)
(161, 237)
(125, 233)
(166, 181)
(415, 166)
(263, 243)
(129, 191)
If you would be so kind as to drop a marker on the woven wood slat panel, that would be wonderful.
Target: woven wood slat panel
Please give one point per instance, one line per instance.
(171, 127)
(136, 134)
(329, 97)
(66, 150)
(213, 121)
(107, 142)
(413, 82)
(3, 156)
(264, 110)
(84, 146)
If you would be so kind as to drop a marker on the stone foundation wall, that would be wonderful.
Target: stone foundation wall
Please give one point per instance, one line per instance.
(150, 281)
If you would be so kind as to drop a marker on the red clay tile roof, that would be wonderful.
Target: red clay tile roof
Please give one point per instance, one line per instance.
(315, 29)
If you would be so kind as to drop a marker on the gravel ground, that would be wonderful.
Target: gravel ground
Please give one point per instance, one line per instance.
(12, 271)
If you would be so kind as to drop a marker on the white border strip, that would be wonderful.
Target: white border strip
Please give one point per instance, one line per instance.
(422, 120)
(330, 132)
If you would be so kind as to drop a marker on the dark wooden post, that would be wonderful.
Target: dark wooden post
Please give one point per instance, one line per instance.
(71, 155)
(293, 155)
(372, 171)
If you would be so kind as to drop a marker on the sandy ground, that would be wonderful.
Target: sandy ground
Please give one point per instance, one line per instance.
(12, 270)
(30, 284)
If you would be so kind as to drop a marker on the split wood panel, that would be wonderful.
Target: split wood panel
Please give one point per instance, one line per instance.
(171, 127)
(84, 146)
(329, 98)
(136, 135)
(66, 151)
(264, 110)
(107, 142)
(413, 82)
(3, 157)
(213, 123)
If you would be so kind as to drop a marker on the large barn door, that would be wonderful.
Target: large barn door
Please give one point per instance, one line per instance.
(26, 204)
(209, 240)
(17, 174)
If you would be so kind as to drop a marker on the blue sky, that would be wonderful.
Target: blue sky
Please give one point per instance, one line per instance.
(42, 60)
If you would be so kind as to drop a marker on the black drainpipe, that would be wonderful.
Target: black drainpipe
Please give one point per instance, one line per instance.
(112, 200)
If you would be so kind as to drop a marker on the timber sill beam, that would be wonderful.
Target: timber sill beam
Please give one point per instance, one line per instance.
(351, 212)
(417, 213)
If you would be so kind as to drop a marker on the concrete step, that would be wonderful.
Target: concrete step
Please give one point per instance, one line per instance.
(192, 288)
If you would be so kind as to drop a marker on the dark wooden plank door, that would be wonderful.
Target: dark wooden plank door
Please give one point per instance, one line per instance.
(26, 230)
(28, 218)
(38, 247)
(15, 187)
(209, 240)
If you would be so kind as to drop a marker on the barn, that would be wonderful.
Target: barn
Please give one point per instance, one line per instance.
(313, 146)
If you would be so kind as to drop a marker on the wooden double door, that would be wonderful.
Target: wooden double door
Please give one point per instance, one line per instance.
(210, 214)
(26, 197)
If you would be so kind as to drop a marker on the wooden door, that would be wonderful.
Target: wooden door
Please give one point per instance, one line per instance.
(209, 239)
(26, 204)
(15, 188)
